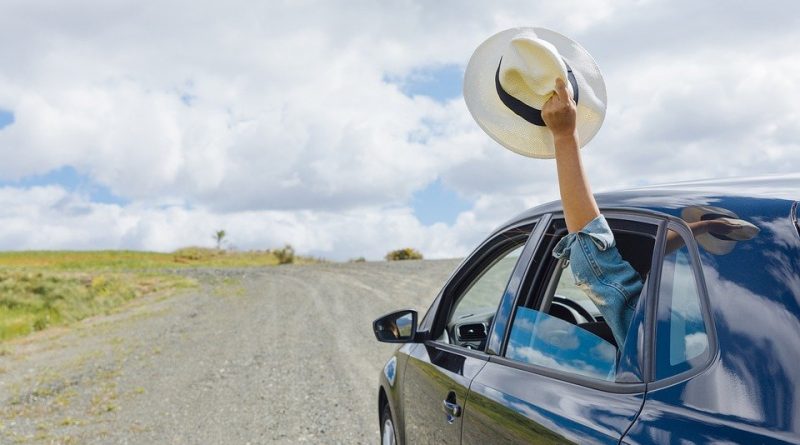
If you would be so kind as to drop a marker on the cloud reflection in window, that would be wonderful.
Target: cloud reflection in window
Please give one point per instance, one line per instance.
(540, 339)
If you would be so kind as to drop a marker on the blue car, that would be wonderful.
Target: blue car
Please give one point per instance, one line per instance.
(513, 351)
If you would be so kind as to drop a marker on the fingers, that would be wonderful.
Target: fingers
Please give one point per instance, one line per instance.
(552, 101)
(561, 90)
(559, 110)
(561, 96)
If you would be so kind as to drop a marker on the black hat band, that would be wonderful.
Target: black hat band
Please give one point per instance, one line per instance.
(524, 111)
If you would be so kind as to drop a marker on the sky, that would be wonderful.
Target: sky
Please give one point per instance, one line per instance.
(339, 126)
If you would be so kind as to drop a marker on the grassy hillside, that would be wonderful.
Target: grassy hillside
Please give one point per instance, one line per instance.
(132, 260)
(35, 300)
(55, 288)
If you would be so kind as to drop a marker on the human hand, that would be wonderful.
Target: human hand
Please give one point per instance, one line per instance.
(559, 112)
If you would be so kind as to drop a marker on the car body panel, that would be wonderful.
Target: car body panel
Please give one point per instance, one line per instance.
(435, 373)
(671, 198)
(748, 392)
(511, 405)
(391, 388)
(751, 392)
(438, 371)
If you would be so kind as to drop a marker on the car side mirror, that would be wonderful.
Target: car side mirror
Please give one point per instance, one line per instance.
(397, 327)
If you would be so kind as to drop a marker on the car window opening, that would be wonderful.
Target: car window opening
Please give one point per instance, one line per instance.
(560, 326)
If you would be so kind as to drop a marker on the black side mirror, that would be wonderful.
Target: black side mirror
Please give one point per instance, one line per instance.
(397, 327)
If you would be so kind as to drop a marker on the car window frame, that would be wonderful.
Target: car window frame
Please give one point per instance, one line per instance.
(795, 216)
(645, 356)
(690, 242)
(473, 266)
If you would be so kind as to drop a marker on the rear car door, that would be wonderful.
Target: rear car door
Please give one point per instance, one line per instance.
(724, 363)
(684, 345)
(558, 376)
(439, 371)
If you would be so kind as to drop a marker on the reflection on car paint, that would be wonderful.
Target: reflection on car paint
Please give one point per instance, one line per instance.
(752, 391)
(496, 417)
(546, 410)
(389, 370)
(718, 243)
(428, 378)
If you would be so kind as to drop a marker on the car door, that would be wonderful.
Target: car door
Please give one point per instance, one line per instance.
(438, 372)
(560, 377)
(684, 345)
(717, 373)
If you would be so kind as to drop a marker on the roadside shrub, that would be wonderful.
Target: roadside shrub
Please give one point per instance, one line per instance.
(285, 255)
(404, 254)
(360, 259)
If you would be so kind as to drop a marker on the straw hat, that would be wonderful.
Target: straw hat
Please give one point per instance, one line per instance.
(716, 243)
(511, 76)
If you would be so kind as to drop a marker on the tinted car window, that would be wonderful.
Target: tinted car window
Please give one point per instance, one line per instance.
(474, 310)
(485, 292)
(682, 340)
(541, 339)
(558, 336)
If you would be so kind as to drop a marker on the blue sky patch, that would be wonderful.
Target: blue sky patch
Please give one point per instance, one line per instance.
(442, 83)
(71, 180)
(188, 99)
(437, 203)
(6, 118)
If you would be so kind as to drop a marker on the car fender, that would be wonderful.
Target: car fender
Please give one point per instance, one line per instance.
(391, 382)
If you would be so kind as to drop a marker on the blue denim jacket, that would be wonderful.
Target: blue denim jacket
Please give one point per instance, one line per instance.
(611, 283)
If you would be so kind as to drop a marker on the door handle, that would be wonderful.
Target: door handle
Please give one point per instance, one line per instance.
(451, 408)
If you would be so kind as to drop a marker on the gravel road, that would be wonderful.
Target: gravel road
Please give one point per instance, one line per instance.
(274, 355)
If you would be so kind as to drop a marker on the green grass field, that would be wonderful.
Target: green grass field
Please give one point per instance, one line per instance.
(55, 288)
(127, 260)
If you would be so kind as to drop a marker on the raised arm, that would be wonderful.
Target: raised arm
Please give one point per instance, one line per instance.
(576, 194)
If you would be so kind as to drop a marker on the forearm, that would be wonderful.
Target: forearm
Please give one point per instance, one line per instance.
(576, 194)
(675, 240)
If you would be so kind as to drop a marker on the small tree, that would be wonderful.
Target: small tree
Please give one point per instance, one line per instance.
(285, 255)
(219, 237)
(404, 254)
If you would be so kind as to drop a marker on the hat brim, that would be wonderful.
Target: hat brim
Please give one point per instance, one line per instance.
(711, 243)
(511, 130)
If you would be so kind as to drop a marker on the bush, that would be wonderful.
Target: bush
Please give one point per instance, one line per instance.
(360, 259)
(285, 255)
(404, 254)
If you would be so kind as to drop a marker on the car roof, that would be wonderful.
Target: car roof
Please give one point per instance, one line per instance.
(744, 196)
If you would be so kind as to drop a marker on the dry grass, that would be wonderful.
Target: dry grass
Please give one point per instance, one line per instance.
(127, 260)
(39, 289)
(33, 300)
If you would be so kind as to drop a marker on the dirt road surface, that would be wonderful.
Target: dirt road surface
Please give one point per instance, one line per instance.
(274, 355)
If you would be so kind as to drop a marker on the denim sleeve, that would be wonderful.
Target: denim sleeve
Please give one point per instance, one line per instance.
(610, 282)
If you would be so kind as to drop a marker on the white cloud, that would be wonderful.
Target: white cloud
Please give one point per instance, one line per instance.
(275, 121)
(52, 218)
